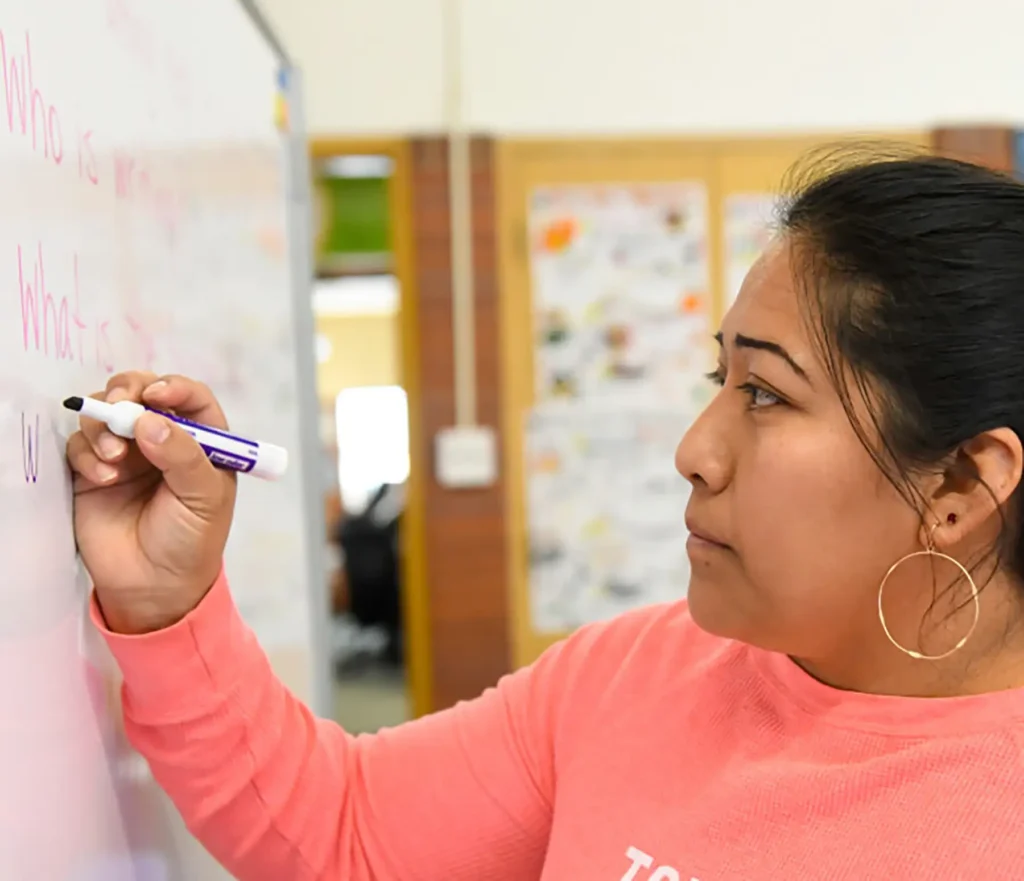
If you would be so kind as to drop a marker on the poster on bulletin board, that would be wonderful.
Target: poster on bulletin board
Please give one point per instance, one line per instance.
(621, 292)
(605, 508)
(622, 318)
(749, 220)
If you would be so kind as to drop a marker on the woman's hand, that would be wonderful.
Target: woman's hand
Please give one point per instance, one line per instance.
(151, 516)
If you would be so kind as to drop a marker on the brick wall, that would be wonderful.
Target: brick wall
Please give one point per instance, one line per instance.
(466, 569)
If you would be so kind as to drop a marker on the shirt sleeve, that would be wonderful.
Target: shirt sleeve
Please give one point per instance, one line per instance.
(274, 792)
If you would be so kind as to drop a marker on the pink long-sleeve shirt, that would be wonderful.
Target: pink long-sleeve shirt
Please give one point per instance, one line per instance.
(642, 749)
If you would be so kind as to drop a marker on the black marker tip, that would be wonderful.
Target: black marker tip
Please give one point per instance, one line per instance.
(73, 403)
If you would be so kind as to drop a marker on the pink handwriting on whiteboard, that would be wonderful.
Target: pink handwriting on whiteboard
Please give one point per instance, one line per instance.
(31, 116)
(47, 319)
(87, 158)
(55, 321)
(124, 171)
(132, 180)
(148, 46)
(26, 106)
(147, 344)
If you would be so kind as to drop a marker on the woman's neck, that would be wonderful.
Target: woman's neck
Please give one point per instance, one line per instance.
(991, 660)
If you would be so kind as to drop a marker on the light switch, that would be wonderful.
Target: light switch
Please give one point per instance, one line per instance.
(466, 457)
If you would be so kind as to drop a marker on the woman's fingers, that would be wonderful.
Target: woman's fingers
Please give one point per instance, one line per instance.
(105, 444)
(187, 398)
(103, 458)
(87, 464)
(123, 387)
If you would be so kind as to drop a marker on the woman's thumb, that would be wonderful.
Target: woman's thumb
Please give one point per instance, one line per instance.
(187, 471)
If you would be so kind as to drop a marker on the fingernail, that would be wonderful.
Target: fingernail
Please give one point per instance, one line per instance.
(105, 473)
(115, 395)
(155, 430)
(110, 446)
(158, 387)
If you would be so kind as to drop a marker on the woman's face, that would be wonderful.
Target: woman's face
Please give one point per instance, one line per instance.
(792, 524)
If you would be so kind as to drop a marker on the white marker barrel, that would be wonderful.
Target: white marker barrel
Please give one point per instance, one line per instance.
(224, 449)
(228, 450)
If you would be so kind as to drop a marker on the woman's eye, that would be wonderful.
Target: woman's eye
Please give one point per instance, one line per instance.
(759, 397)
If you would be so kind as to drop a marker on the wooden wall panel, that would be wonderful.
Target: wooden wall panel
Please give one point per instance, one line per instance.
(465, 540)
(992, 146)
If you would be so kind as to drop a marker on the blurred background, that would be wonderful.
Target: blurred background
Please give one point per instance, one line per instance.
(530, 217)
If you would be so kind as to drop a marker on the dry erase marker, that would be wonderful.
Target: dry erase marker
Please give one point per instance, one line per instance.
(225, 450)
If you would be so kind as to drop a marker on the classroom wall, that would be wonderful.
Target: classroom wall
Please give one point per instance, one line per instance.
(578, 68)
(649, 66)
(364, 351)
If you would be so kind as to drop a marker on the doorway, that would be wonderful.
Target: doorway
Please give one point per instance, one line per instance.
(366, 336)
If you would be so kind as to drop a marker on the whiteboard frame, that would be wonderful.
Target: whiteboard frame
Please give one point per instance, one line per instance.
(298, 193)
(263, 26)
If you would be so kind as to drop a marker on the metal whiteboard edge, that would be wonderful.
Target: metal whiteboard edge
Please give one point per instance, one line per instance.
(299, 206)
(263, 26)
(298, 194)
(300, 220)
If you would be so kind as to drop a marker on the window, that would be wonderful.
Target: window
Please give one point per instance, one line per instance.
(373, 441)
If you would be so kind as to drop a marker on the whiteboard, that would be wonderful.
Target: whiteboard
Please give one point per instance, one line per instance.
(153, 218)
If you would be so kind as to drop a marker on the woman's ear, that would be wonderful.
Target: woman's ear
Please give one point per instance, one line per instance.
(979, 479)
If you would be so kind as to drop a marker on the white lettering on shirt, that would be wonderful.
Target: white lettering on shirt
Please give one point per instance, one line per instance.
(640, 860)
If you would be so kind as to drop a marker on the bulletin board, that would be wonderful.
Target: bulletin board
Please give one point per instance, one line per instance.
(727, 187)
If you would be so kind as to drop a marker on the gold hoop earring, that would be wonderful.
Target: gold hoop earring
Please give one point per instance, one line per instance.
(930, 552)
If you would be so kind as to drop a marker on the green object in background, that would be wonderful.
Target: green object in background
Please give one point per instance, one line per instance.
(354, 234)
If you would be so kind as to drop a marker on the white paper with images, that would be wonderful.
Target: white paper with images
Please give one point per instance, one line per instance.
(620, 292)
(605, 514)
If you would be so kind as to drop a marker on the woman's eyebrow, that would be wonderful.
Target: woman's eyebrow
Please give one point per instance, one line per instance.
(748, 342)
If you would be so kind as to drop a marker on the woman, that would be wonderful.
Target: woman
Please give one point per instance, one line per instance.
(839, 699)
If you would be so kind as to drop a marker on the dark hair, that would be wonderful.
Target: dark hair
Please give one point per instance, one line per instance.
(911, 269)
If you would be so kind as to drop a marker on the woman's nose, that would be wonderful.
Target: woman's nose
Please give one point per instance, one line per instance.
(704, 454)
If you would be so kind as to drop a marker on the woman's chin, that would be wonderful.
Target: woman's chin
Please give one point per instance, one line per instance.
(713, 606)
